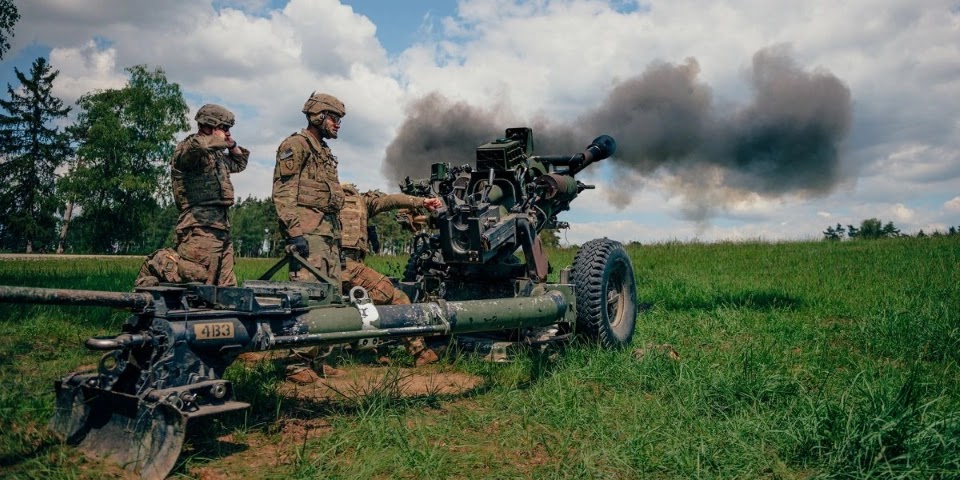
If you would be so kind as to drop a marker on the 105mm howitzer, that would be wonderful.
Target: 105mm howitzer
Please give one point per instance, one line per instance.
(166, 366)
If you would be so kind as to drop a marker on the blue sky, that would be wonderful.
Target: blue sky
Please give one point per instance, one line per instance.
(896, 134)
(401, 24)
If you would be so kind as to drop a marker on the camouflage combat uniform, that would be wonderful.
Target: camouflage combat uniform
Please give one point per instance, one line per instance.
(308, 197)
(200, 174)
(357, 209)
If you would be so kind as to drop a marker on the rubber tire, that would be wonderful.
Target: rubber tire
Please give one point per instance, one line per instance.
(606, 292)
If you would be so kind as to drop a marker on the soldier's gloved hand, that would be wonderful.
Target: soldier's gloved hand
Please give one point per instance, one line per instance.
(300, 245)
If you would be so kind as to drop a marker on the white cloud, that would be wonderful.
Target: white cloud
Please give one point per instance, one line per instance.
(902, 213)
(84, 69)
(952, 205)
(556, 59)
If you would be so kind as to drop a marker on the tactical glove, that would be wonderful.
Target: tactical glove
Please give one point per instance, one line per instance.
(300, 245)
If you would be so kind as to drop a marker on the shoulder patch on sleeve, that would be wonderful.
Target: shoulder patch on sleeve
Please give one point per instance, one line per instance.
(288, 162)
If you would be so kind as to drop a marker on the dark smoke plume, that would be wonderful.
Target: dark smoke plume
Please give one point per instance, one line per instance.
(785, 141)
(438, 130)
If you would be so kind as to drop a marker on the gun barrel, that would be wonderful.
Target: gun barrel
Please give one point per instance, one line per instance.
(369, 321)
(601, 148)
(57, 296)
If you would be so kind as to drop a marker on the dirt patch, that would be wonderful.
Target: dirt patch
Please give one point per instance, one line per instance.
(247, 454)
(252, 358)
(359, 381)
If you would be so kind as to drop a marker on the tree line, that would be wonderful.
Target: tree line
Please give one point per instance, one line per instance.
(873, 228)
(101, 184)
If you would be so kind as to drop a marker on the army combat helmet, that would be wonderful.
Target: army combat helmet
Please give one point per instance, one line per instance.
(322, 102)
(317, 107)
(213, 115)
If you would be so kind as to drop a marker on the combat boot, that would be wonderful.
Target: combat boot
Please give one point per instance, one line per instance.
(422, 355)
(329, 371)
(301, 374)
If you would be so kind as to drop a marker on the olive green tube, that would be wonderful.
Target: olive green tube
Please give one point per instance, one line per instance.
(331, 325)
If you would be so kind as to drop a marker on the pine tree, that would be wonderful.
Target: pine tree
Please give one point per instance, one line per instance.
(30, 152)
(889, 230)
(830, 234)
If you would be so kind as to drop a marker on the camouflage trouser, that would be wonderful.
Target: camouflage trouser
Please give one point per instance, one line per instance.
(322, 233)
(206, 255)
(324, 243)
(378, 286)
(160, 266)
(202, 255)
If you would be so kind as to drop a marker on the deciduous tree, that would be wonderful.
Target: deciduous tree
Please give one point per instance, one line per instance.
(252, 223)
(889, 230)
(8, 18)
(393, 238)
(120, 181)
(31, 149)
(870, 229)
(550, 238)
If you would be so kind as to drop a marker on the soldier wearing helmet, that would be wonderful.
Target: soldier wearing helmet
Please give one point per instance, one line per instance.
(357, 209)
(200, 174)
(308, 198)
(306, 188)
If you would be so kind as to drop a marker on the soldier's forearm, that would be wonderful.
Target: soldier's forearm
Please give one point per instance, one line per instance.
(238, 160)
(393, 201)
(197, 150)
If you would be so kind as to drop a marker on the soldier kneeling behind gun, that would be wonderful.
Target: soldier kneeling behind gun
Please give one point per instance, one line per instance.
(355, 245)
(357, 209)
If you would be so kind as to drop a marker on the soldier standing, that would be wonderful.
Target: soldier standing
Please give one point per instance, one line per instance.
(308, 198)
(200, 174)
(356, 210)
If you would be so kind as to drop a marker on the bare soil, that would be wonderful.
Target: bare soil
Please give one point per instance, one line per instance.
(252, 453)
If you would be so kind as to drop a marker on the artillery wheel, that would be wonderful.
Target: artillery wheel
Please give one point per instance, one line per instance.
(606, 293)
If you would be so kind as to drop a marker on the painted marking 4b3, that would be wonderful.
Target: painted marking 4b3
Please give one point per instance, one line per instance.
(213, 330)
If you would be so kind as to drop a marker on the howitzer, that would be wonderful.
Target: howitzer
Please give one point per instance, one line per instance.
(166, 365)
(497, 207)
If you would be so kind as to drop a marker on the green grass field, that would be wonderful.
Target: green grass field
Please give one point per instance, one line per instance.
(751, 360)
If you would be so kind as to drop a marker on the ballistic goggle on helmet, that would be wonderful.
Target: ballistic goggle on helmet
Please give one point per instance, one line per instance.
(212, 115)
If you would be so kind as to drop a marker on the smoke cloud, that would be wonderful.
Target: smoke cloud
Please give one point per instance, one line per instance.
(438, 130)
(785, 141)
